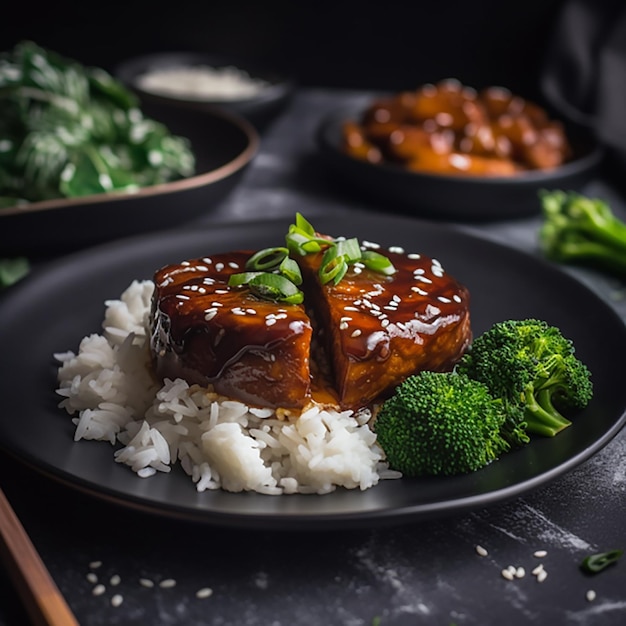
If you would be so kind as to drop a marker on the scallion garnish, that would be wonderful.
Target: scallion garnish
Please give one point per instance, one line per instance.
(273, 275)
(597, 562)
(377, 262)
(268, 286)
(266, 259)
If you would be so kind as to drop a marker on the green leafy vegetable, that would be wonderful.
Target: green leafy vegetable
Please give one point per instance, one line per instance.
(67, 130)
(13, 270)
(581, 230)
(595, 563)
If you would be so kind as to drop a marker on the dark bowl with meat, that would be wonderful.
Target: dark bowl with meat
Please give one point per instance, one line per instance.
(449, 152)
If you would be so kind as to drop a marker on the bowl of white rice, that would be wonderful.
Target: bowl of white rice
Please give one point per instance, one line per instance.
(195, 80)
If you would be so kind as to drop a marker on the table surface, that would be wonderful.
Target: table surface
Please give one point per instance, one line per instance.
(424, 572)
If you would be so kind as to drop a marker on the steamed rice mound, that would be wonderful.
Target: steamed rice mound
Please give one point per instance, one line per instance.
(109, 389)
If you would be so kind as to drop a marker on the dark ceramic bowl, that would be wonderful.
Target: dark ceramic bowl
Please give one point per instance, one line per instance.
(449, 197)
(223, 145)
(260, 108)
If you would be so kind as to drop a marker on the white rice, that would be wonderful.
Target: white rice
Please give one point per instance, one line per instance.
(108, 388)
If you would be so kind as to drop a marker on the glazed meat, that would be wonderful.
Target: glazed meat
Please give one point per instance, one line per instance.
(206, 332)
(350, 344)
(376, 330)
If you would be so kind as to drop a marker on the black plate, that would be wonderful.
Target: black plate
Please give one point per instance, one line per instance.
(259, 109)
(52, 310)
(224, 145)
(468, 198)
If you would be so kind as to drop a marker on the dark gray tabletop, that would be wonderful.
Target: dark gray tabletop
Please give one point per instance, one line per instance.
(427, 572)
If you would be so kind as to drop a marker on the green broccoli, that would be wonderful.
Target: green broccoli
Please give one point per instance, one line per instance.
(440, 423)
(582, 230)
(530, 365)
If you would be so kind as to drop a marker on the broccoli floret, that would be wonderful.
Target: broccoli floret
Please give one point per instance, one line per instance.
(440, 423)
(530, 365)
(582, 230)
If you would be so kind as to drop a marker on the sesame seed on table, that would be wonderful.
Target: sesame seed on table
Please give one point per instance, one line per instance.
(515, 561)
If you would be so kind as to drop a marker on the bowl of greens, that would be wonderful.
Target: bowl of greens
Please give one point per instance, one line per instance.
(82, 162)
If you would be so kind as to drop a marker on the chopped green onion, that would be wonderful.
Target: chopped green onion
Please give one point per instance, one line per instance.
(597, 562)
(236, 280)
(267, 259)
(276, 287)
(334, 270)
(349, 249)
(289, 268)
(377, 262)
(268, 286)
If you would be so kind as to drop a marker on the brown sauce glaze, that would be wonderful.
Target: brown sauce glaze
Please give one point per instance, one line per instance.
(449, 128)
(350, 345)
(209, 333)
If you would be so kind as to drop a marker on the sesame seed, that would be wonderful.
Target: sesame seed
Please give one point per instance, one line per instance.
(219, 267)
(456, 298)
(116, 600)
(115, 580)
(146, 582)
(357, 270)
(233, 265)
(590, 595)
(221, 291)
(418, 271)
(92, 578)
(538, 569)
(396, 298)
(370, 244)
(95, 564)
(207, 260)
(444, 299)
(270, 321)
(350, 308)
(210, 314)
(98, 590)
(205, 592)
(481, 551)
(251, 311)
(345, 319)
(237, 311)
(507, 574)
(356, 333)
(540, 554)
(168, 583)
(542, 575)
(520, 572)
(396, 249)
(420, 291)
(385, 323)
(343, 326)
(202, 268)
(423, 279)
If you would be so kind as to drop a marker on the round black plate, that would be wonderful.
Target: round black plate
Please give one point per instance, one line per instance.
(443, 197)
(52, 310)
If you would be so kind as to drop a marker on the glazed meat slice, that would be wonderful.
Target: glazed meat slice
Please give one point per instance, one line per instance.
(377, 329)
(206, 332)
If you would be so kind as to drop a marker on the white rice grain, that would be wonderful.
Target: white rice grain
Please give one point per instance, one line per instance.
(108, 388)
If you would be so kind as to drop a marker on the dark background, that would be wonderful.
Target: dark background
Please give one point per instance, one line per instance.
(380, 45)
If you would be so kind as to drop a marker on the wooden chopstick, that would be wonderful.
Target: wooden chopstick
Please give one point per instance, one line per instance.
(40, 595)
